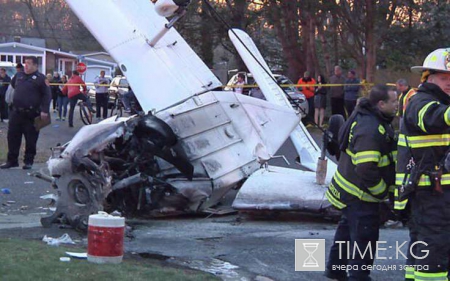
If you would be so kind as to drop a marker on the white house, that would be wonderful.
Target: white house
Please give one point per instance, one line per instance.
(53, 60)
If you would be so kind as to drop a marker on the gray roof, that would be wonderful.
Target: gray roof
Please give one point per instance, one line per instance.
(19, 49)
(32, 49)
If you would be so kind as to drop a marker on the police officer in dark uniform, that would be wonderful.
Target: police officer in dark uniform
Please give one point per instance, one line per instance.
(31, 99)
(422, 178)
(365, 173)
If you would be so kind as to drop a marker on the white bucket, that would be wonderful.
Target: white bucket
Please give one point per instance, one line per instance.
(105, 238)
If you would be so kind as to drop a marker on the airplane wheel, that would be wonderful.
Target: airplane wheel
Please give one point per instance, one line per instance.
(334, 125)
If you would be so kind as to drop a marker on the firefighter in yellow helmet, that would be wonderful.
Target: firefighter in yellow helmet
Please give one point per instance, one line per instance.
(421, 177)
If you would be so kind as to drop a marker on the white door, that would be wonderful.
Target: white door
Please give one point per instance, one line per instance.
(65, 66)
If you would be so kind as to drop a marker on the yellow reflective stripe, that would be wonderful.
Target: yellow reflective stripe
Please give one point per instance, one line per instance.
(399, 178)
(379, 188)
(422, 114)
(447, 116)
(393, 188)
(400, 99)
(350, 136)
(394, 154)
(425, 141)
(384, 161)
(406, 98)
(353, 189)
(424, 179)
(369, 156)
(409, 272)
(401, 140)
(351, 154)
(428, 276)
(400, 205)
(409, 94)
(334, 201)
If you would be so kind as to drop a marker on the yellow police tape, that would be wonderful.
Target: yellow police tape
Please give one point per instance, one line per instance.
(234, 86)
(62, 84)
(300, 85)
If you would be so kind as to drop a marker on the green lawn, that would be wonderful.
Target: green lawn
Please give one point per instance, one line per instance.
(34, 260)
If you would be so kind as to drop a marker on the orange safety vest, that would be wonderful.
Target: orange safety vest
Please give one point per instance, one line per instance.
(403, 100)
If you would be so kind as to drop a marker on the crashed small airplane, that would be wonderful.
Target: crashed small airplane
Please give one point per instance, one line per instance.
(195, 145)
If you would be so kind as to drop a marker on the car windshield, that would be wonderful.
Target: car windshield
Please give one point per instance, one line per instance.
(285, 81)
(123, 83)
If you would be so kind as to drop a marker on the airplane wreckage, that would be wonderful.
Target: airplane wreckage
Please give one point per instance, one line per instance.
(196, 144)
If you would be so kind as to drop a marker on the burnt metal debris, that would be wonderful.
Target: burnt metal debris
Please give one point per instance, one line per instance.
(116, 169)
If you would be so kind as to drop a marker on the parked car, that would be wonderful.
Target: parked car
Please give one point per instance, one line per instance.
(91, 89)
(119, 83)
(297, 98)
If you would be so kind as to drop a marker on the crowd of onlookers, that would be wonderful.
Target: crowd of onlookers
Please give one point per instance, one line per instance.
(344, 92)
(27, 100)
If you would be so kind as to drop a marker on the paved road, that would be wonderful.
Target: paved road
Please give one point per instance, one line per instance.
(25, 190)
(257, 247)
(237, 247)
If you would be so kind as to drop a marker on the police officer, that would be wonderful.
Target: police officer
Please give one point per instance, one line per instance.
(31, 99)
(421, 177)
(365, 172)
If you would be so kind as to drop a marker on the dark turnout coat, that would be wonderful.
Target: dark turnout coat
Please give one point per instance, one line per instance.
(366, 167)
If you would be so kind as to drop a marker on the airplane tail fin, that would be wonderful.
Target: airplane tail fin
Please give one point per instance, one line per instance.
(305, 145)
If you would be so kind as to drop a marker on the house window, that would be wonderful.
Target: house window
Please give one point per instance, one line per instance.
(7, 58)
(40, 63)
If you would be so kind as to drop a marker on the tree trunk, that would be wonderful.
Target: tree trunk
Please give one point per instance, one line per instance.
(335, 40)
(312, 47)
(238, 20)
(207, 38)
(370, 42)
(325, 52)
(306, 45)
(288, 34)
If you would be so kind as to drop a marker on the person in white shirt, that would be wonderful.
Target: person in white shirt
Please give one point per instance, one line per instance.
(240, 82)
(101, 94)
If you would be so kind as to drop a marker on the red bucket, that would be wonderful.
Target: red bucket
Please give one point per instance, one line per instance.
(105, 238)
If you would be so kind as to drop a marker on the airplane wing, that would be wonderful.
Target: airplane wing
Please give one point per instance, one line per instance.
(160, 76)
(305, 145)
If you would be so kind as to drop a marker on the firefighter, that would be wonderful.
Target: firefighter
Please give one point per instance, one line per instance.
(421, 178)
(405, 93)
(366, 171)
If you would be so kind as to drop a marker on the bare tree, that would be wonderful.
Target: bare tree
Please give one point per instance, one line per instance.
(362, 26)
